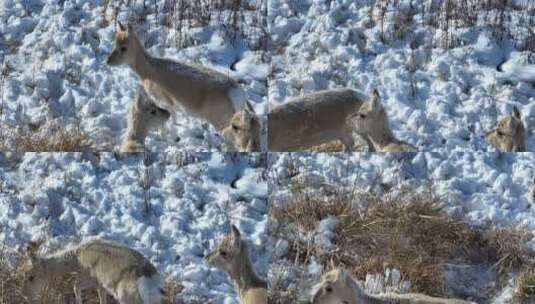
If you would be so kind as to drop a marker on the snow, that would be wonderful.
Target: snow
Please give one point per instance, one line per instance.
(174, 209)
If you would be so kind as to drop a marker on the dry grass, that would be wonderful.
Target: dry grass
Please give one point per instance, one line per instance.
(506, 19)
(398, 229)
(26, 139)
(525, 292)
(10, 291)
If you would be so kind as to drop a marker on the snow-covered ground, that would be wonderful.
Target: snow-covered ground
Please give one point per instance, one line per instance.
(53, 60)
(484, 187)
(173, 208)
(436, 99)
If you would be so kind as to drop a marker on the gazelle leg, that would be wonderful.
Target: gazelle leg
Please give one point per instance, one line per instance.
(102, 295)
(77, 293)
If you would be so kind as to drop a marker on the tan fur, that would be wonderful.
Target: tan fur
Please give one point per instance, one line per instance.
(232, 256)
(244, 131)
(196, 90)
(143, 116)
(314, 119)
(105, 265)
(337, 286)
(509, 134)
(372, 121)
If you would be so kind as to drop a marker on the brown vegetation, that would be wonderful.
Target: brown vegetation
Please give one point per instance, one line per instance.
(400, 229)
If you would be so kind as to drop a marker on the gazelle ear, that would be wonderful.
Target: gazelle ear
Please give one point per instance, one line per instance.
(235, 232)
(516, 113)
(121, 26)
(248, 107)
(376, 100)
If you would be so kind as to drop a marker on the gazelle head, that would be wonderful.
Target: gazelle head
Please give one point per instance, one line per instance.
(508, 136)
(336, 287)
(145, 110)
(126, 47)
(231, 253)
(371, 115)
(244, 130)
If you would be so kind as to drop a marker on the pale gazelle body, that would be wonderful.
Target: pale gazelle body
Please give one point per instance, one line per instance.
(196, 90)
(337, 286)
(232, 256)
(314, 119)
(509, 134)
(372, 121)
(143, 116)
(243, 130)
(109, 267)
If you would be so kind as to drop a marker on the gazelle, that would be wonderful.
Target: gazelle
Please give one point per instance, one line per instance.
(196, 90)
(143, 116)
(109, 267)
(232, 256)
(338, 287)
(509, 134)
(314, 119)
(372, 121)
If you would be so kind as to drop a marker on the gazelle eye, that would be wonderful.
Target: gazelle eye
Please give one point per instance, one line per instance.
(328, 289)
(235, 127)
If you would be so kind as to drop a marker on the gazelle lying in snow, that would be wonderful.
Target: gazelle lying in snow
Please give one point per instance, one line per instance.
(338, 287)
(232, 256)
(199, 91)
(244, 130)
(143, 116)
(314, 119)
(98, 264)
(509, 134)
(371, 120)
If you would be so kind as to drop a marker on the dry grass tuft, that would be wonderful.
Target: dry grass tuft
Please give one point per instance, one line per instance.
(400, 229)
(10, 282)
(525, 292)
(26, 139)
(171, 291)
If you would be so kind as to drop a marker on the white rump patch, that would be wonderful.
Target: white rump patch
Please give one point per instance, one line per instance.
(150, 289)
(238, 97)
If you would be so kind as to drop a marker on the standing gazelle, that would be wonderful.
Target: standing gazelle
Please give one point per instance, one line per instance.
(232, 256)
(337, 287)
(109, 267)
(199, 91)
